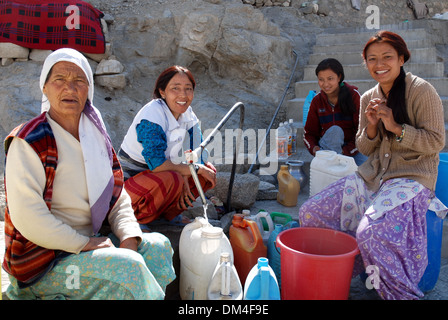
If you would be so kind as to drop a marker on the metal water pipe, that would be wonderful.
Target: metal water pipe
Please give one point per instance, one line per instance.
(196, 154)
(276, 111)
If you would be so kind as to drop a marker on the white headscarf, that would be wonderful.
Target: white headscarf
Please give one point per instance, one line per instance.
(95, 142)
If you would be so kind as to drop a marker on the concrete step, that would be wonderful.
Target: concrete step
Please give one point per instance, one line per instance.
(359, 46)
(345, 58)
(396, 27)
(326, 39)
(359, 71)
(347, 45)
(302, 88)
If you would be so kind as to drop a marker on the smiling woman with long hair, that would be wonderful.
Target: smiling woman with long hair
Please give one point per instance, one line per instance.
(160, 186)
(333, 117)
(384, 205)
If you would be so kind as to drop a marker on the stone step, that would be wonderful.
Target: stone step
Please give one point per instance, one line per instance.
(346, 58)
(396, 27)
(302, 88)
(326, 39)
(359, 71)
(347, 45)
(358, 47)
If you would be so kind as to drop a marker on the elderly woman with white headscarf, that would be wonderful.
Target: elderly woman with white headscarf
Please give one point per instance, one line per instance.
(63, 181)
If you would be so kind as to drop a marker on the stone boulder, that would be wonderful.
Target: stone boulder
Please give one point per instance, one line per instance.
(237, 42)
(109, 66)
(244, 191)
(111, 81)
(198, 210)
(267, 191)
(109, 74)
(39, 55)
(11, 50)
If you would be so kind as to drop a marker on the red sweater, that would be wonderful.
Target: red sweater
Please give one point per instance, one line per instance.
(322, 116)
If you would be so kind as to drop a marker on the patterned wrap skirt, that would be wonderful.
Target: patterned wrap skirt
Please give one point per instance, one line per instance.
(156, 195)
(107, 274)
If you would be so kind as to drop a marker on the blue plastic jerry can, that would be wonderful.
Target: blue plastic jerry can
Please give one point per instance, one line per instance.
(261, 283)
(273, 253)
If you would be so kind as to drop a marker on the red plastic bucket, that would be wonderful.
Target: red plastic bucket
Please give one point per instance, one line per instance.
(316, 264)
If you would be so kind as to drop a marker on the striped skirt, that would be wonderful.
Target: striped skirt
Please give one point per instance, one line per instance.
(156, 195)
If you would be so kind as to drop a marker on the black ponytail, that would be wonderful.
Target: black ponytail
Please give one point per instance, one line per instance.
(396, 99)
(345, 100)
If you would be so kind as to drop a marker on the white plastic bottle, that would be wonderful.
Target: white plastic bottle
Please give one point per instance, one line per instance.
(282, 142)
(293, 136)
(263, 219)
(225, 283)
(246, 213)
(264, 223)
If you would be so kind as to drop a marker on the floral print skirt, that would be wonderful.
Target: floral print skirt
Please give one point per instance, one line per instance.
(389, 225)
(107, 274)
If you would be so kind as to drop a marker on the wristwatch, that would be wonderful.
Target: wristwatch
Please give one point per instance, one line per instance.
(196, 168)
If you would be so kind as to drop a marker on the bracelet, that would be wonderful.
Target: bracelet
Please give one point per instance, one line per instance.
(403, 131)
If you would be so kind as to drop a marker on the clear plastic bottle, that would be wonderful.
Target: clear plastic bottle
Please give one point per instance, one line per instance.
(225, 283)
(282, 143)
(289, 136)
(293, 136)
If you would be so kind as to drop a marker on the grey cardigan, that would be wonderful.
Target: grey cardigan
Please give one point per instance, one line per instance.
(416, 157)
